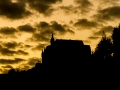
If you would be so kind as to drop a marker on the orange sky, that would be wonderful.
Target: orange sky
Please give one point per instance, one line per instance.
(26, 26)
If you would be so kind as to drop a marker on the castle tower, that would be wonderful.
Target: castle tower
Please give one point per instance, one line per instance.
(119, 26)
(42, 53)
(52, 40)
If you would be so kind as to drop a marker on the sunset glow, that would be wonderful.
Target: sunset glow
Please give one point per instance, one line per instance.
(26, 26)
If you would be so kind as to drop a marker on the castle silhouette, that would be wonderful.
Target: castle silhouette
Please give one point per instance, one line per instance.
(65, 53)
(71, 62)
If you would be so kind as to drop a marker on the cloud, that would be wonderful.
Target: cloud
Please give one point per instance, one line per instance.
(40, 46)
(47, 28)
(21, 52)
(27, 46)
(23, 67)
(70, 31)
(93, 37)
(106, 29)
(33, 61)
(8, 52)
(43, 24)
(84, 23)
(37, 37)
(79, 7)
(10, 61)
(12, 10)
(84, 5)
(44, 31)
(26, 28)
(103, 3)
(11, 44)
(58, 27)
(7, 66)
(108, 14)
(69, 9)
(43, 6)
(8, 30)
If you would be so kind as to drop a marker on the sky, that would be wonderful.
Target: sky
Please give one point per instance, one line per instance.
(26, 26)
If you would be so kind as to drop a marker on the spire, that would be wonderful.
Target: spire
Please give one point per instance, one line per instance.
(52, 35)
(52, 39)
(119, 26)
(42, 53)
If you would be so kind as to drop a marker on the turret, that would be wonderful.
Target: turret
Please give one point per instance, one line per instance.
(42, 53)
(52, 40)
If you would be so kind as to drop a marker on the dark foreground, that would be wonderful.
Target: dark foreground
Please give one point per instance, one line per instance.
(86, 75)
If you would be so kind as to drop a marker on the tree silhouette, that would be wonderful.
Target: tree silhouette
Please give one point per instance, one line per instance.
(104, 49)
(37, 69)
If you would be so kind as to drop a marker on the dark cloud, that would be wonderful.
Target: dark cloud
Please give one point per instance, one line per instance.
(7, 66)
(84, 5)
(93, 37)
(103, 3)
(33, 61)
(27, 46)
(24, 67)
(68, 30)
(84, 23)
(21, 52)
(12, 10)
(8, 31)
(71, 22)
(26, 28)
(39, 46)
(44, 31)
(106, 29)
(47, 32)
(10, 61)
(14, 45)
(11, 45)
(43, 24)
(69, 9)
(58, 27)
(44, 28)
(7, 52)
(37, 37)
(47, 28)
(80, 7)
(43, 6)
(71, 31)
(107, 14)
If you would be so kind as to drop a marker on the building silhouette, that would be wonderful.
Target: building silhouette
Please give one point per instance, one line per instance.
(65, 53)
(116, 43)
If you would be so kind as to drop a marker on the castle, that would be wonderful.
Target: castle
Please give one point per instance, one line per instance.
(62, 52)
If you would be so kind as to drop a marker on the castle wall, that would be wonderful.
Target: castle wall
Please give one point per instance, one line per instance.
(66, 52)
